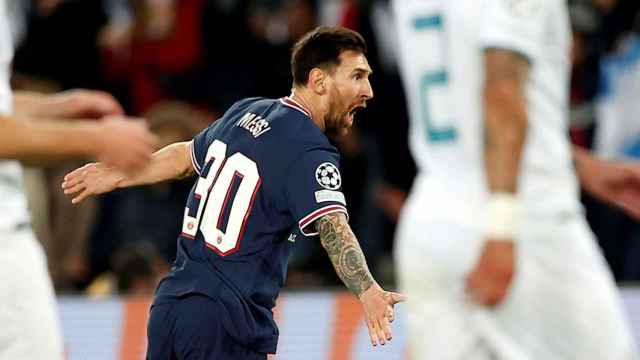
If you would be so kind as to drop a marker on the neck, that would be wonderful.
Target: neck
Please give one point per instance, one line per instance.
(312, 104)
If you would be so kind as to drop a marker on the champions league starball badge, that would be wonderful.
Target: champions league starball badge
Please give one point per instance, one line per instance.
(328, 176)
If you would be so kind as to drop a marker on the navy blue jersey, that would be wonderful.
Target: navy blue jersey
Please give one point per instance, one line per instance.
(266, 173)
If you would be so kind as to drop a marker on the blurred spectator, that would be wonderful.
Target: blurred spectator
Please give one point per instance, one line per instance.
(136, 270)
(150, 214)
(603, 56)
(157, 54)
(63, 32)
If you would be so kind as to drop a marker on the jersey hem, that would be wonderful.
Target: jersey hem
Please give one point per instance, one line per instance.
(315, 215)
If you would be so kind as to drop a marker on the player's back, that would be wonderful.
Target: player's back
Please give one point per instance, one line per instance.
(441, 58)
(253, 198)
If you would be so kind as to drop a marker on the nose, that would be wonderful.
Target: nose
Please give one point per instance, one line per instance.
(367, 91)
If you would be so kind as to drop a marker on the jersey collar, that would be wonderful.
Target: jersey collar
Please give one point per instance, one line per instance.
(288, 101)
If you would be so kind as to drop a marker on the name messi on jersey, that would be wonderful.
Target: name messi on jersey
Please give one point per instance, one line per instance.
(255, 124)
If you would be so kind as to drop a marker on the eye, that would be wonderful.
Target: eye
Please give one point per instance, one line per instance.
(357, 76)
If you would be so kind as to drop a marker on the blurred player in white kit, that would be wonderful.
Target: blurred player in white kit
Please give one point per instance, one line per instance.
(29, 328)
(493, 249)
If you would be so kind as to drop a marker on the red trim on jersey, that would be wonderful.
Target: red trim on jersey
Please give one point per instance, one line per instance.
(249, 208)
(226, 198)
(194, 163)
(191, 237)
(242, 228)
(215, 178)
(296, 105)
(309, 219)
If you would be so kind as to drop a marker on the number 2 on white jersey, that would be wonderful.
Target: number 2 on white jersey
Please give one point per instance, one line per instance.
(215, 192)
(430, 80)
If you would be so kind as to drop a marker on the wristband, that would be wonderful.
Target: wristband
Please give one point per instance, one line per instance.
(504, 215)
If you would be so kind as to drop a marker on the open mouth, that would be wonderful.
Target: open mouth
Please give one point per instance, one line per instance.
(356, 109)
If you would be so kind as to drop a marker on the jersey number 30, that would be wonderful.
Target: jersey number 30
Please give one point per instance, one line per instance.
(226, 192)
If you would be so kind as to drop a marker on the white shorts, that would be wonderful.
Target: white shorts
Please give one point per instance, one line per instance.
(563, 303)
(29, 326)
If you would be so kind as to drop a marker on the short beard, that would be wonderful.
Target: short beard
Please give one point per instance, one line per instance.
(332, 132)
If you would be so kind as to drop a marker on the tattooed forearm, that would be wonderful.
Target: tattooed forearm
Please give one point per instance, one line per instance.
(345, 252)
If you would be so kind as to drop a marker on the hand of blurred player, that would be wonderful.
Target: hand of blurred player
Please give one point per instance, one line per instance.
(488, 283)
(81, 104)
(91, 179)
(124, 143)
(617, 183)
(379, 312)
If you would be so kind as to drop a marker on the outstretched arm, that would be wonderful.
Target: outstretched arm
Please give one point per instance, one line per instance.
(118, 141)
(170, 162)
(350, 265)
(70, 104)
(31, 135)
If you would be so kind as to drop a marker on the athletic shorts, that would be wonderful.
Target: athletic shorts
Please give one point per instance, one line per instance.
(190, 328)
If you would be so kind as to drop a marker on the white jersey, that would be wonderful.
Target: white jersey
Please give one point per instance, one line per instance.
(13, 204)
(441, 44)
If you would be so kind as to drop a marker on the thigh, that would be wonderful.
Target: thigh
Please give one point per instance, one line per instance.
(564, 304)
(431, 273)
(28, 309)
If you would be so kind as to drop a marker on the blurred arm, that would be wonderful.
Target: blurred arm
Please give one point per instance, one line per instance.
(71, 104)
(26, 141)
(505, 120)
(505, 116)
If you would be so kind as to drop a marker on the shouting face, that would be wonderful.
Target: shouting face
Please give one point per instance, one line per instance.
(348, 90)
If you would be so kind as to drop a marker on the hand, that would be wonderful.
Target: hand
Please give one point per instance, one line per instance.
(91, 179)
(489, 281)
(124, 143)
(616, 183)
(80, 103)
(379, 312)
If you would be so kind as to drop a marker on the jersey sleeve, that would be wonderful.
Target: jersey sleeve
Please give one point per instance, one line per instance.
(514, 25)
(313, 188)
(199, 147)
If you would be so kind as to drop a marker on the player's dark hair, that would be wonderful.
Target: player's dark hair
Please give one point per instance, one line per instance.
(320, 48)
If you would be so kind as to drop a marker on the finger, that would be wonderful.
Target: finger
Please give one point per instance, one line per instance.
(391, 314)
(372, 333)
(83, 195)
(74, 173)
(382, 333)
(397, 297)
(72, 181)
(386, 327)
(74, 189)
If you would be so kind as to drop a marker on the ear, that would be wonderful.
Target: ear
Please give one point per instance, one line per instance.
(318, 81)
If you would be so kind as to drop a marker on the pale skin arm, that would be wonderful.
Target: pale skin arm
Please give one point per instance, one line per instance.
(44, 141)
(171, 162)
(614, 182)
(37, 131)
(71, 104)
(505, 114)
(350, 265)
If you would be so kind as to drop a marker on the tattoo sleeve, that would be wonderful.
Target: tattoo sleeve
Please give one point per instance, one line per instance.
(505, 117)
(345, 252)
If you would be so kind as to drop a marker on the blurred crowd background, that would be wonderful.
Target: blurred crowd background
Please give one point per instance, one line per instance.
(180, 63)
